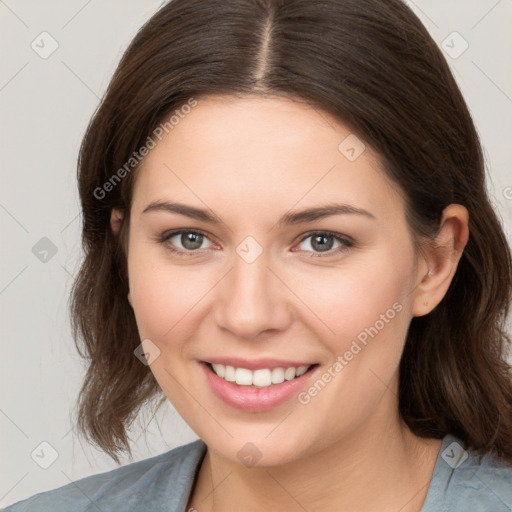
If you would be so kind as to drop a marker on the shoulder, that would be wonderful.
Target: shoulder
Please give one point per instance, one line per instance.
(486, 481)
(466, 479)
(156, 483)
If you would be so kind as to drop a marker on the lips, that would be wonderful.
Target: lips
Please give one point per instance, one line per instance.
(254, 398)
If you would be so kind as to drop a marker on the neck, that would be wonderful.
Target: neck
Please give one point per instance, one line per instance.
(372, 469)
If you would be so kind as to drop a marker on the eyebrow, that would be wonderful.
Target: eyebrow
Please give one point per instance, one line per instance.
(288, 219)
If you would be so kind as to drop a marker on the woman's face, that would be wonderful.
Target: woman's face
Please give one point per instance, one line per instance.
(263, 285)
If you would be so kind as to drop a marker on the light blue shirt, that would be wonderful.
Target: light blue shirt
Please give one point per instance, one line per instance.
(463, 481)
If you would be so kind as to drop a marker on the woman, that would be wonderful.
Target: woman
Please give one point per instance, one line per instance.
(288, 236)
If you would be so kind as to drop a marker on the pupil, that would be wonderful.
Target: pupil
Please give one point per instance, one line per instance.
(320, 243)
(191, 240)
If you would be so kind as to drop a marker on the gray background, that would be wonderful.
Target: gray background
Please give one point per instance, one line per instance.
(45, 104)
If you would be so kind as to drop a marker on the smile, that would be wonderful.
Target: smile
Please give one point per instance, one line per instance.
(261, 378)
(259, 389)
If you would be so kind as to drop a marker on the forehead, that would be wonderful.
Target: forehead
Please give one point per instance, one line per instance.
(252, 151)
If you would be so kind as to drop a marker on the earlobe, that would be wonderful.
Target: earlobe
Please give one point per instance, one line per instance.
(116, 218)
(441, 260)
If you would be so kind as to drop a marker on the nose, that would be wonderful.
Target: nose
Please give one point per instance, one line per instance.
(252, 299)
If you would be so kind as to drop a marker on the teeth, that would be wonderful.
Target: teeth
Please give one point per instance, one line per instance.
(277, 375)
(301, 370)
(243, 377)
(260, 378)
(289, 373)
(219, 369)
(229, 373)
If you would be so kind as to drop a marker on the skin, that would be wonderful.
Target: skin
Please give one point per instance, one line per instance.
(250, 160)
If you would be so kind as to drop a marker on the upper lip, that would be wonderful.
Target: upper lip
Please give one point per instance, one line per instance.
(256, 364)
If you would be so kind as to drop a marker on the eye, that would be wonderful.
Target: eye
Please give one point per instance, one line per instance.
(323, 242)
(185, 240)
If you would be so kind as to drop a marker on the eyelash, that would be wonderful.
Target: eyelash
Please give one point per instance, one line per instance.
(345, 241)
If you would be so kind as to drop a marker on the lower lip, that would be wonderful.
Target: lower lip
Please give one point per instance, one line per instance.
(255, 399)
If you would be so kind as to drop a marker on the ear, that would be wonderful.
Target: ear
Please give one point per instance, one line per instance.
(116, 219)
(440, 260)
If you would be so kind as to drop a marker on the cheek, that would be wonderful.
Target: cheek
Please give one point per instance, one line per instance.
(163, 294)
(368, 314)
(164, 300)
(358, 303)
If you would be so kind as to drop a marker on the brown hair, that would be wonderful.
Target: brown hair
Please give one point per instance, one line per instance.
(373, 65)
